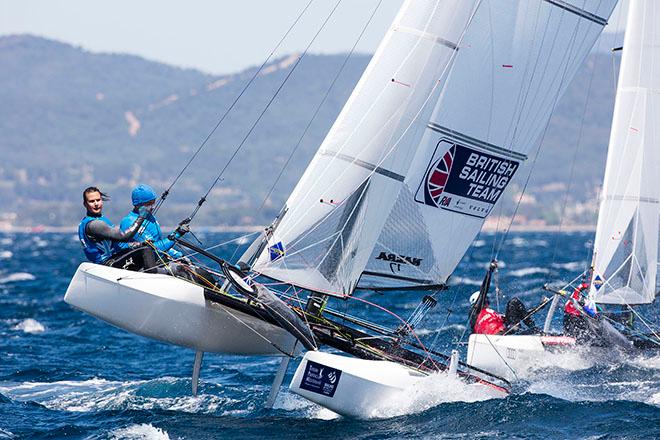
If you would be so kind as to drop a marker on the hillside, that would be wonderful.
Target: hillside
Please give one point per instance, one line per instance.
(72, 118)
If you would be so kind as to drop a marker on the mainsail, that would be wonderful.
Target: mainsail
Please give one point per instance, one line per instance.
(454, 99)
(515, 61)
(626, 247)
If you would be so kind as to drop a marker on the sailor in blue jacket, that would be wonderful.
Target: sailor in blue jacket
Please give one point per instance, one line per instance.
(99, 237)
(143, 195)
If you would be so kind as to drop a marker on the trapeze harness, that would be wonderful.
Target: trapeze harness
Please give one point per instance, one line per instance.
(97, 251)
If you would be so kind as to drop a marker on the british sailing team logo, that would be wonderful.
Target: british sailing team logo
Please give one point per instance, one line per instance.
(464, 179)
(436, 179)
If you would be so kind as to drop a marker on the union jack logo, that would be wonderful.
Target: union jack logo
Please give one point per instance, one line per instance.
(436, 178)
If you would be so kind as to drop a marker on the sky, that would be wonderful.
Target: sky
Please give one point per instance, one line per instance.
(215, 36)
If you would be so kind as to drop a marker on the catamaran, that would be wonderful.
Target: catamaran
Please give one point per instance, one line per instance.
(625, 255)
(457, 95)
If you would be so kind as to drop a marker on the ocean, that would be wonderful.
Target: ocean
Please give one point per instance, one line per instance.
(65, 374)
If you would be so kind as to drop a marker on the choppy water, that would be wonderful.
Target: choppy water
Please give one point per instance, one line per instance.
(66, 374)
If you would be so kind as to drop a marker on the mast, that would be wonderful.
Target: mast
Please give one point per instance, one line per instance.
(626, 245)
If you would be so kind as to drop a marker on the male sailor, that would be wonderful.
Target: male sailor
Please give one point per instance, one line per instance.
(484, 320)
(99, 237)
(144, 196)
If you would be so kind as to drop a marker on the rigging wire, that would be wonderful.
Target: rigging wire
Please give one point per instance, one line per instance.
(318, 107)
(572, 43)
(162, 198)
(377, 165)
(521, 101)
(316, 112)
(543, 135)
(240, 145)
(572, 169)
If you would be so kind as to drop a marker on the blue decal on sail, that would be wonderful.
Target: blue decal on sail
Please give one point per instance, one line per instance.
(276, 251)
(320, 379)
(598, 282)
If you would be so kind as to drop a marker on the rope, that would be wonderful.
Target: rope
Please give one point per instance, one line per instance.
(245, 138)
(384, 125)
(404, 322)
(540, 143)
(318, 107)
(231, 107)
(572, 170)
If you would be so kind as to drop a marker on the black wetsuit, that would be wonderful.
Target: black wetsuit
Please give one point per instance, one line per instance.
(99, 230)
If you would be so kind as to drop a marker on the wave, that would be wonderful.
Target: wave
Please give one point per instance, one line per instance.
(29, 325)
(425, 393)
(6, 434)
(571, 266)
(429, 392)
(4, 255)
(16, 277)
(169, 394)
(144, 431)
(527, 271)
(39, 242)
(293, 402)
(465, 281)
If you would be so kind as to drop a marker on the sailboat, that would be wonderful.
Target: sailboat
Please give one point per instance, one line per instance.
(444, 116)
(625, 255)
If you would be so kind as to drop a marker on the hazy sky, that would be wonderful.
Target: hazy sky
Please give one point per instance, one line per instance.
(216, 36)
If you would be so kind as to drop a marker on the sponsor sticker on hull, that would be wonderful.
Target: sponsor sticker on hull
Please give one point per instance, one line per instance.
(320, 379)
(465, 180)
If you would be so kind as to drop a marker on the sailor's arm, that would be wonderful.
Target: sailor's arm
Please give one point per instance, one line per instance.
(100, 230)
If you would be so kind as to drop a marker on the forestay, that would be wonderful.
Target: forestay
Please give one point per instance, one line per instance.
(514, 62)
(421, 153)
(338, 208)
(626, 247)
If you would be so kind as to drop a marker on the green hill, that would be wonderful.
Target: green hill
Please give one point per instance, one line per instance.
(71, 118)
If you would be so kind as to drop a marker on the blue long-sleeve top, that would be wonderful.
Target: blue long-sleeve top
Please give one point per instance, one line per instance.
(151, 231)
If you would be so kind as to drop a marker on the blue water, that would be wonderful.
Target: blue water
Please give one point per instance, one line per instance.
(67, 374)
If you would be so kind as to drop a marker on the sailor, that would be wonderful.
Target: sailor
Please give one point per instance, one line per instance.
(144, 196)
(484, 320)
(575, 322)
(99, 237)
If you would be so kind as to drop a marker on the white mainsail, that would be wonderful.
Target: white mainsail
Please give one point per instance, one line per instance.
(626, 247)
(337, 210)
(421, 154)
(514, 62)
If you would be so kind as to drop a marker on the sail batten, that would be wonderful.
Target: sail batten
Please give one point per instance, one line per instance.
(578, 11)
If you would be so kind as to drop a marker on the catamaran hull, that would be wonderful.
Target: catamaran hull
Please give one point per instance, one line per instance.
(510, 355)
(171, 310)
(354, 387)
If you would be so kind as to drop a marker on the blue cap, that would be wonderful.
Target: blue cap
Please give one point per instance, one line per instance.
(142, 194)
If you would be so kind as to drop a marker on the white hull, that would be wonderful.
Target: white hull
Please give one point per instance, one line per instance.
(354, 387)
(512, 355)
(171, 310)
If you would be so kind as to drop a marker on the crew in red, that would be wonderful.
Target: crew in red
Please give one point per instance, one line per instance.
(484, 320)
(575, 323)
(489, 322)
(570, 308)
